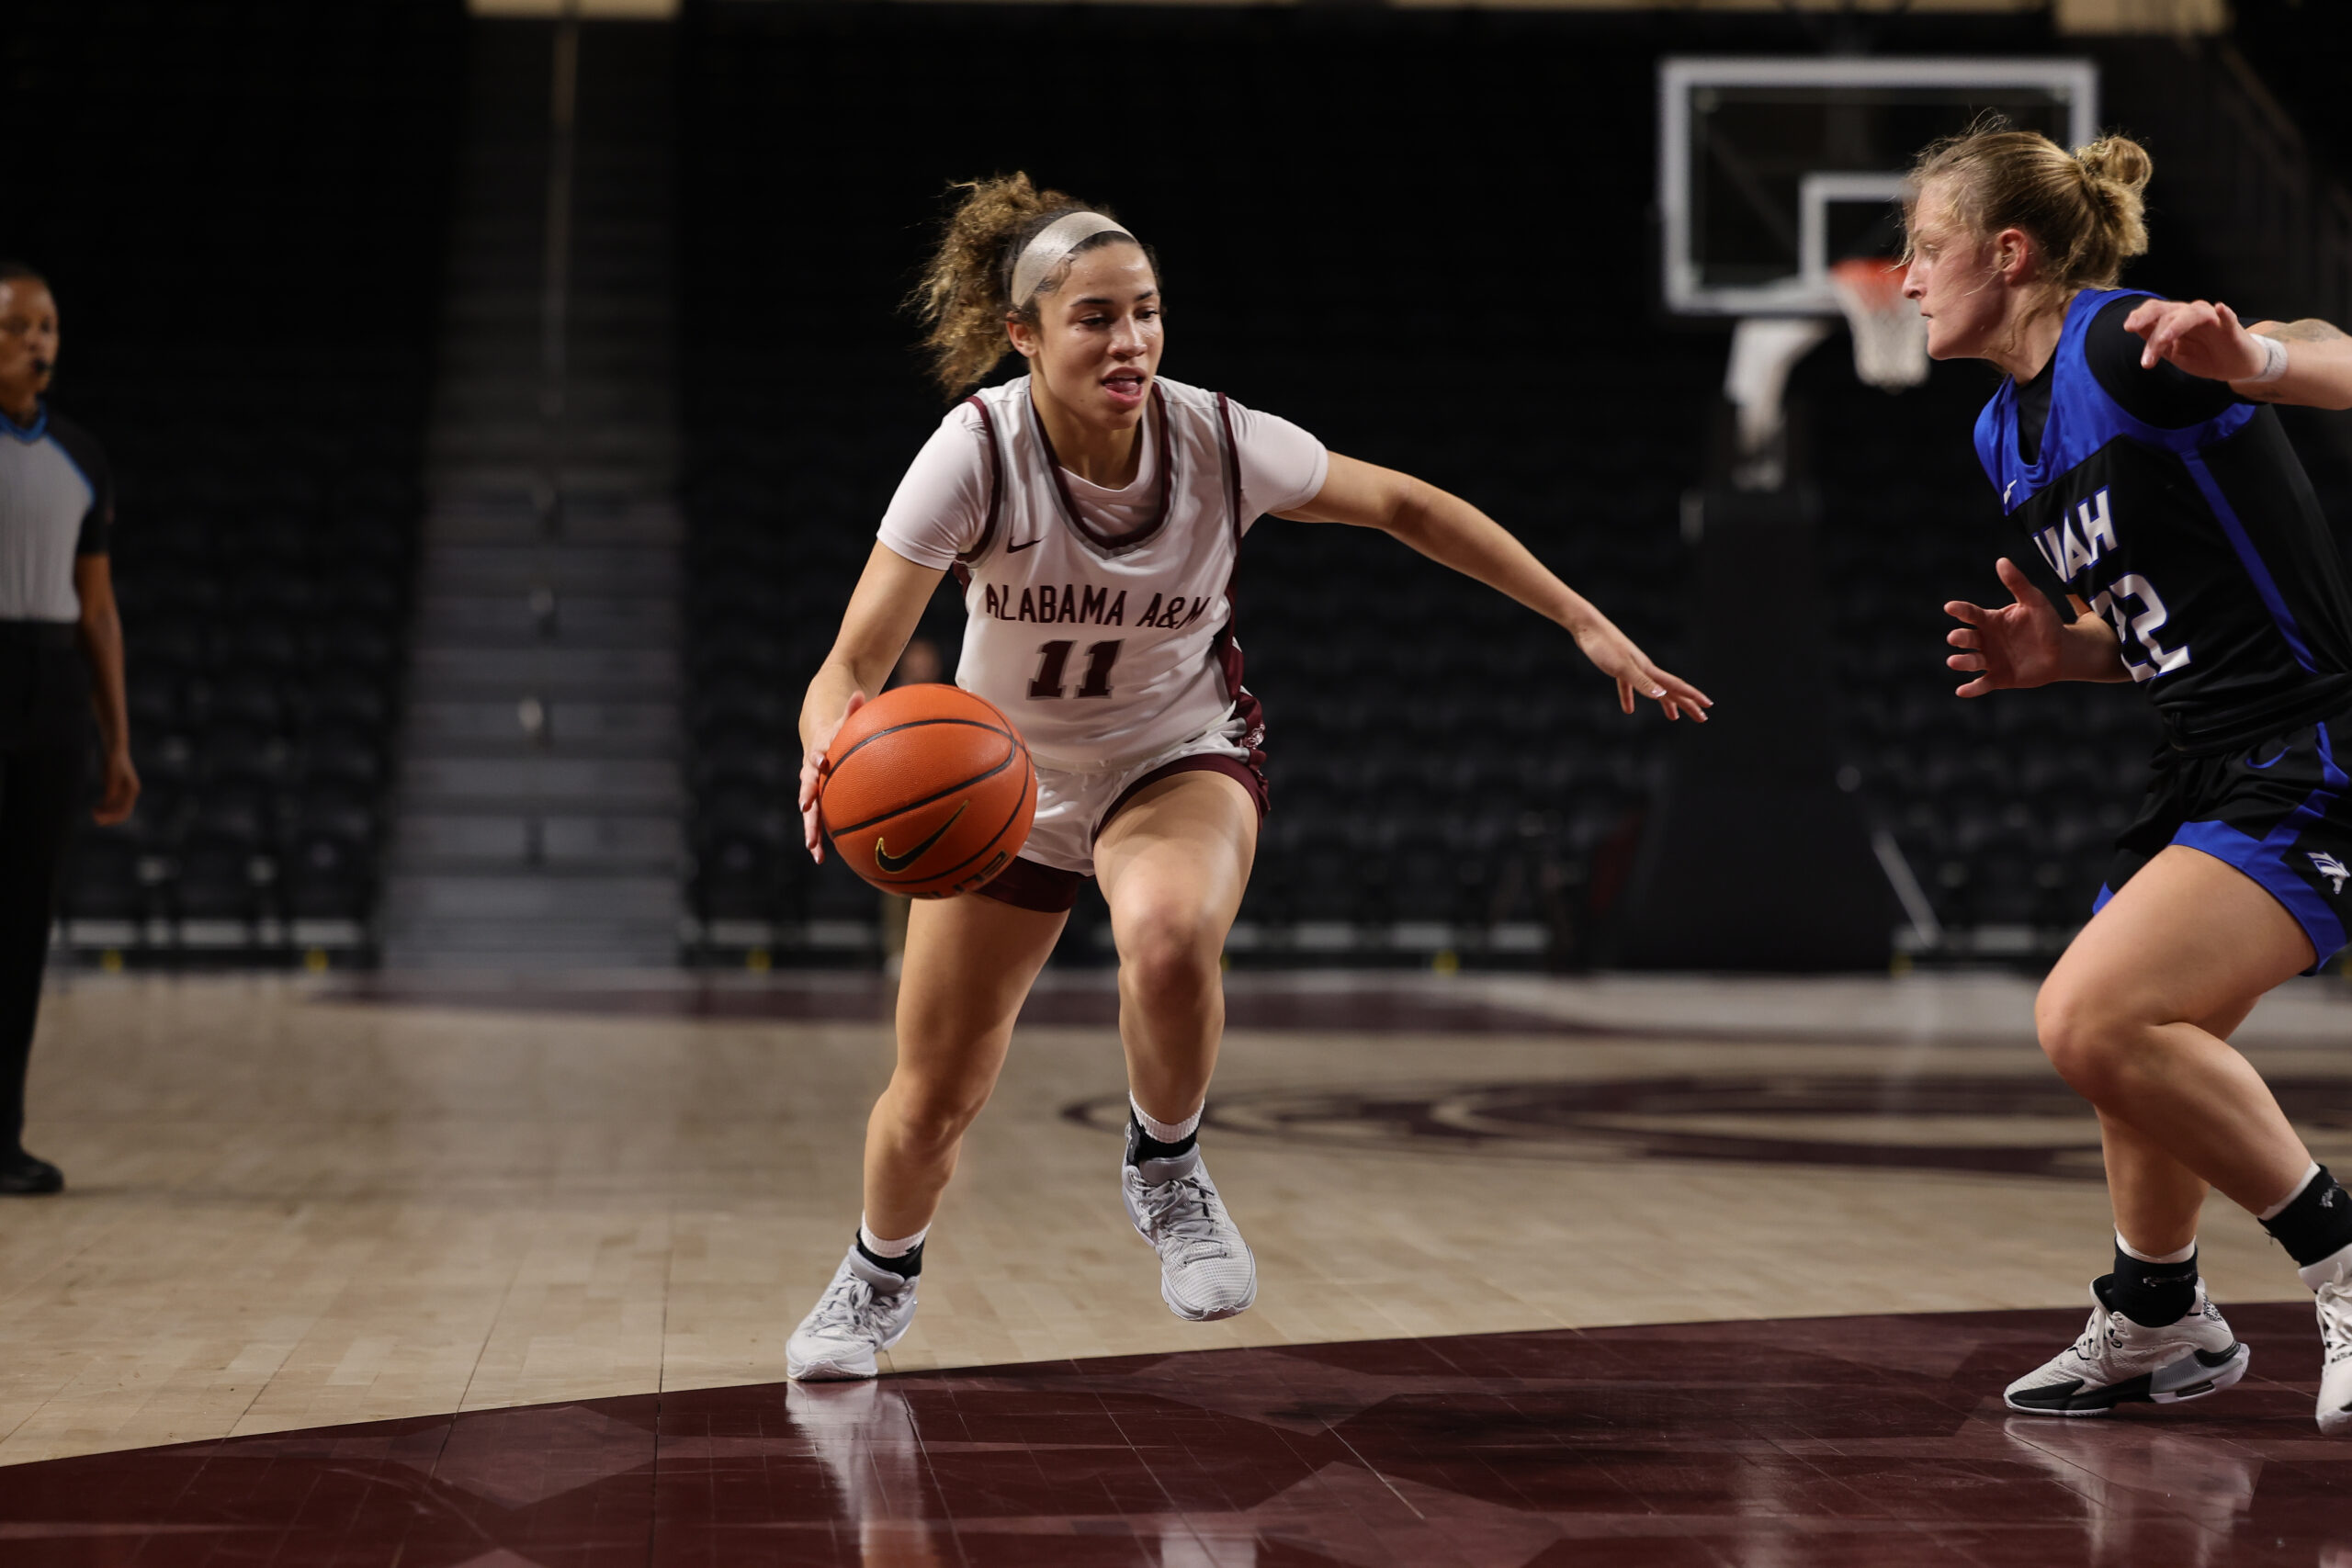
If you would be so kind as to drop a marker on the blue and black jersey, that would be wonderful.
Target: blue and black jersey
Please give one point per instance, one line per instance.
(2179, 511)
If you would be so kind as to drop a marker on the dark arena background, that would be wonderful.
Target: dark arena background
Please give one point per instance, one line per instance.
(458, 1068)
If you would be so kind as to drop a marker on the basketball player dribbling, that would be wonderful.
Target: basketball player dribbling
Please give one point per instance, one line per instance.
(1093, 511)
(2164, 504)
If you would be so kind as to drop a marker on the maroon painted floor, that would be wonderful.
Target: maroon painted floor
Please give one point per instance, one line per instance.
(1812, 1442)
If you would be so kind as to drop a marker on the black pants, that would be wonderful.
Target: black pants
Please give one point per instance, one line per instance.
(39, 787)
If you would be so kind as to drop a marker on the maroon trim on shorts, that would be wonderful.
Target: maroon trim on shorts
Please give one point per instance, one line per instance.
(1049, 890)
(1244, 772)
(1030, 884)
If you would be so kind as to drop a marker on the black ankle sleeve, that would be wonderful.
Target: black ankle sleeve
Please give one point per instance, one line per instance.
(907, 1264)
(1142, 1146)
(2151, 1294)
(2317, 1225)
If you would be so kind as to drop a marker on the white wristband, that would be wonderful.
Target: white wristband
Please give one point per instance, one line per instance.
(2274, 362)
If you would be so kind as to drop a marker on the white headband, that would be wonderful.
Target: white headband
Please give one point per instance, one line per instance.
(1053, 246)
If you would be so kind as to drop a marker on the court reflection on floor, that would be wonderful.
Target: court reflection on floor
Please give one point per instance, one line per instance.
(2147, 1496)
(864, 1435)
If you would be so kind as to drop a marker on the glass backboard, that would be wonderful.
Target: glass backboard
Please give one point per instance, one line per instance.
(1772, 169)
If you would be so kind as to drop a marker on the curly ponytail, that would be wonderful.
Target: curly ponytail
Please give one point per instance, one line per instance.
(2086, 209)
(963, 297)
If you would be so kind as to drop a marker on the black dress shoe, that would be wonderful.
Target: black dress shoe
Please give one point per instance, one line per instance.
(26, 1175)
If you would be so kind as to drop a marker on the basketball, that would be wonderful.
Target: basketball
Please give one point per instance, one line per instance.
(927, 792)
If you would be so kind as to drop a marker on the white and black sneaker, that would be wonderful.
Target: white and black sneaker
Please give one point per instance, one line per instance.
(2331, 1282)
(863, 1312)
(1207, 1271)
(2117, 1361)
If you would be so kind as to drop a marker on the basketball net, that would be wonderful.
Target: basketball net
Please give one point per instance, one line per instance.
(1890, 335)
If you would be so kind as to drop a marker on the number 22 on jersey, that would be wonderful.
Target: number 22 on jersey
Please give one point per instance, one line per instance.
(2116, 601)
(1053, 665)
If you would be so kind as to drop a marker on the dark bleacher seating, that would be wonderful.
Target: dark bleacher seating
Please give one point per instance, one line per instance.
(1435, 757)
(248, 314)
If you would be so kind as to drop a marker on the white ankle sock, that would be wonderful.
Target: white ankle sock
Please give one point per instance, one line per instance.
(2279, 1208)
(2183, 1256)
(1168, 1131)
(880, 1248)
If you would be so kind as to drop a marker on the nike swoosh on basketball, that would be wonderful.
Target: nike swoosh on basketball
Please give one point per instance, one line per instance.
(1014, 549)
(892, 864)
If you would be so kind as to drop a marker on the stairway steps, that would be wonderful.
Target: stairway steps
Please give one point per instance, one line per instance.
(539, 813)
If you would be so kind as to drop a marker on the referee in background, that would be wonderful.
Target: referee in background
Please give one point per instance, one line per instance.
(60, 661)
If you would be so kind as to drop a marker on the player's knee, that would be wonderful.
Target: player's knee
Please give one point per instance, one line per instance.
(933, 1116)
(2087, 1039)
(1168, 959)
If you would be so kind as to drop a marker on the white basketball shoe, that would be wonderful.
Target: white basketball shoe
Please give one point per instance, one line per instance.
(1207, 1271)
(863, 1312)
(2117, 1361)
(2331, 1282)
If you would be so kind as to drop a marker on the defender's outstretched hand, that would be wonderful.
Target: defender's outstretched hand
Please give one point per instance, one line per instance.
(2021, 644)
(1616, 655)
(2202, 337)
(812, 774)
(2208, 340)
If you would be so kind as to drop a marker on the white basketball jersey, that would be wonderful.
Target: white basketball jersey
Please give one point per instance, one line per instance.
(1105, 650)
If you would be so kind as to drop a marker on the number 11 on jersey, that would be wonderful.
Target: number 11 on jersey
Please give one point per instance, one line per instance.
(1053, 660)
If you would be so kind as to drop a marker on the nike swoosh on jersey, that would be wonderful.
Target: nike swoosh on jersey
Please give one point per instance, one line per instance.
(1014, 549)
(892, 864)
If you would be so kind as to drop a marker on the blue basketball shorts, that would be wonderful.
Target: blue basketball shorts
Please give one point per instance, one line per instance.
(2280, 810)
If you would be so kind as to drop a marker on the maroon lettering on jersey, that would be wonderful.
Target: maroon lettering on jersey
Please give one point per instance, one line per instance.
(1172, 615)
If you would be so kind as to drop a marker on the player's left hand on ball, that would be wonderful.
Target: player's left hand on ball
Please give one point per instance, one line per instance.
(812, 779)
(2201, 337)
(1616, 655)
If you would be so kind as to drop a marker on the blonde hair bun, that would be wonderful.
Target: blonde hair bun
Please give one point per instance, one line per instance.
(2116, 161)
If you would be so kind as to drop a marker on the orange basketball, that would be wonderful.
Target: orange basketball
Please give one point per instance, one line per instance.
(927, 792)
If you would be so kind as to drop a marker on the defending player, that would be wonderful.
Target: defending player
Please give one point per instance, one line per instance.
(2130, 444)
(1094, 512)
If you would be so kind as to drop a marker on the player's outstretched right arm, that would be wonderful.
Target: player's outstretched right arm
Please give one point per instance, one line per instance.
(1451, 531)
(881, 616)
(2027, 643)
(2307, 363)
